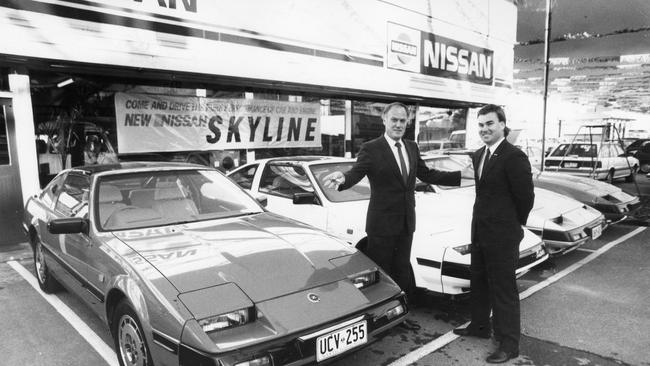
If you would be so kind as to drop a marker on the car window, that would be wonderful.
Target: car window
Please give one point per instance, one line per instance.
(48, 195)
(145, 199)
(284, 180)
(579, 150)
(244, 176)
(449, 164)
(617, 150)
(646, 147)
(73, 194)
(358, 192)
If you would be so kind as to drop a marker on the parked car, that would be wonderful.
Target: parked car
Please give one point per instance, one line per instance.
(605, 160)
(440, 255)
(640, 149)
(439, 145)
(563, 223)
(186, 268)
(610, 200)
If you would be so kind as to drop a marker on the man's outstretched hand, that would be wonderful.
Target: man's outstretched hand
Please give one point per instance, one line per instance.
(334, 180)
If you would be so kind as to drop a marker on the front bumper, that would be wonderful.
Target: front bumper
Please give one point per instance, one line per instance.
(300, 348)
(617, 212)
(456, 276)
(560, 242)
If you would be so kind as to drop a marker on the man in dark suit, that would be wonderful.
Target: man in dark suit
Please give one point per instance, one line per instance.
(504, 198)
(391, 165)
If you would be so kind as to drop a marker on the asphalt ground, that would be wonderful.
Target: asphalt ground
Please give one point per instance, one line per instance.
(587, 307)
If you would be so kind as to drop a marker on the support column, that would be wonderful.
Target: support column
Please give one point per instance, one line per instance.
(25, 134)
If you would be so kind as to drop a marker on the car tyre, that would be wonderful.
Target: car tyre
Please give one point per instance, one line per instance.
(645, 168)
(130, 343)
(46, 282)
(610, 177)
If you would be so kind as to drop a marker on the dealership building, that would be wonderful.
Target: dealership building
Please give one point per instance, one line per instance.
(85, 81)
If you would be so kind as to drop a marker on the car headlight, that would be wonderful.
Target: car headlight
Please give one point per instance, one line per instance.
(365, 279)
(228, 320)
(463, 249)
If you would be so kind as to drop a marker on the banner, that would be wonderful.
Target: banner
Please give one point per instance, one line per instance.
(148, 122)
(431, 54)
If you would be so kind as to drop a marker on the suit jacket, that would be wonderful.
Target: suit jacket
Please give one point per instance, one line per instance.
(504, 195)
(392, 202)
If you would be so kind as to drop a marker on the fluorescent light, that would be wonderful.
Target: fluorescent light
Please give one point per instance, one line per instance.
(65, 82)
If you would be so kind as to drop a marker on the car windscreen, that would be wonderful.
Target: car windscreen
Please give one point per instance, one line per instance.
(450, 163)
(360, 191)
(155, 198)
(578, 150)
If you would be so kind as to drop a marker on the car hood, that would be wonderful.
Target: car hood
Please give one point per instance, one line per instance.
(266, 255)
(571, 183)
(550, 204)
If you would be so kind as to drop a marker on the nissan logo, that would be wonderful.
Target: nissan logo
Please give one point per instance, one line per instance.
(313, 297)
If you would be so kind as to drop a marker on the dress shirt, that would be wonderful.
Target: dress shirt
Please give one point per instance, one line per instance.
(492, 148)
(393, 148)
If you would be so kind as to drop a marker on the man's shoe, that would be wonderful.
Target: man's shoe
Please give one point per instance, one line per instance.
(409, 325)
(470, 331)
(500, 356)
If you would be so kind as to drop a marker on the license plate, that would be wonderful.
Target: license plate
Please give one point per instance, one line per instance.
(570, 165)
(341, 340)
(596, 231)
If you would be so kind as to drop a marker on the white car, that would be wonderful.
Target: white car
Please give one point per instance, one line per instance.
(562, 222)
(605, 160)
(440, 254)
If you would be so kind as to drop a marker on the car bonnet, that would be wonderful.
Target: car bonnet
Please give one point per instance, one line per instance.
(578, 184)
(265, 255)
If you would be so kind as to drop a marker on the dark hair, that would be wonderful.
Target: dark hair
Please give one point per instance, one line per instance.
(501, 115)
(227, 163)
(390, 106)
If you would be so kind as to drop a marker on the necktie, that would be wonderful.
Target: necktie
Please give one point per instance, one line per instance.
(402, 163)
(485, 162)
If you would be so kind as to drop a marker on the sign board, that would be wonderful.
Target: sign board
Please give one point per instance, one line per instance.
(148, 122)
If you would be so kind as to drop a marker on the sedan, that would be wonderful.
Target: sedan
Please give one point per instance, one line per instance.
(562, 222)
(606, 160)
(185, 268)
(440, 255)
(610, 200)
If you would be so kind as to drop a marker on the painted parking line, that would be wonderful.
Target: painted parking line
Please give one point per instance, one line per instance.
(104, 350)
(449, 337)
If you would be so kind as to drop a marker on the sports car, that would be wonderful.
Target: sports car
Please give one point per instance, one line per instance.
(563, 223)
(440, 255)
(610, 200)
(185, 268)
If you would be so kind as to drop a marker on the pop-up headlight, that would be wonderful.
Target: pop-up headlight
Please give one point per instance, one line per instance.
(463, 249)
(365, 279)
(228, 320)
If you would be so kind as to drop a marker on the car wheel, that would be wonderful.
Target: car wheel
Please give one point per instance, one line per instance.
(130, 343)
(645, 168)
(46, 282)
(610, 177)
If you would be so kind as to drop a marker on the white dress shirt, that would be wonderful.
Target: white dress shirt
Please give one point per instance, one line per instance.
(492, 148)
(393, 148)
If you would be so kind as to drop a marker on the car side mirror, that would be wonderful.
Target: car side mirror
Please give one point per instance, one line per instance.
(305, 198)
(69, 225)
(262, 200)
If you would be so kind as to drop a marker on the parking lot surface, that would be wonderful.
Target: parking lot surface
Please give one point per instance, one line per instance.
(587, 307)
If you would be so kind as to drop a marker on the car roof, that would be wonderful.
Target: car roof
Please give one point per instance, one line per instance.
(133, 166)
(305, 159)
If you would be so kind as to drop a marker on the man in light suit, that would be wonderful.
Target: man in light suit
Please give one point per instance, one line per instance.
(391, 165)
(504, 198)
